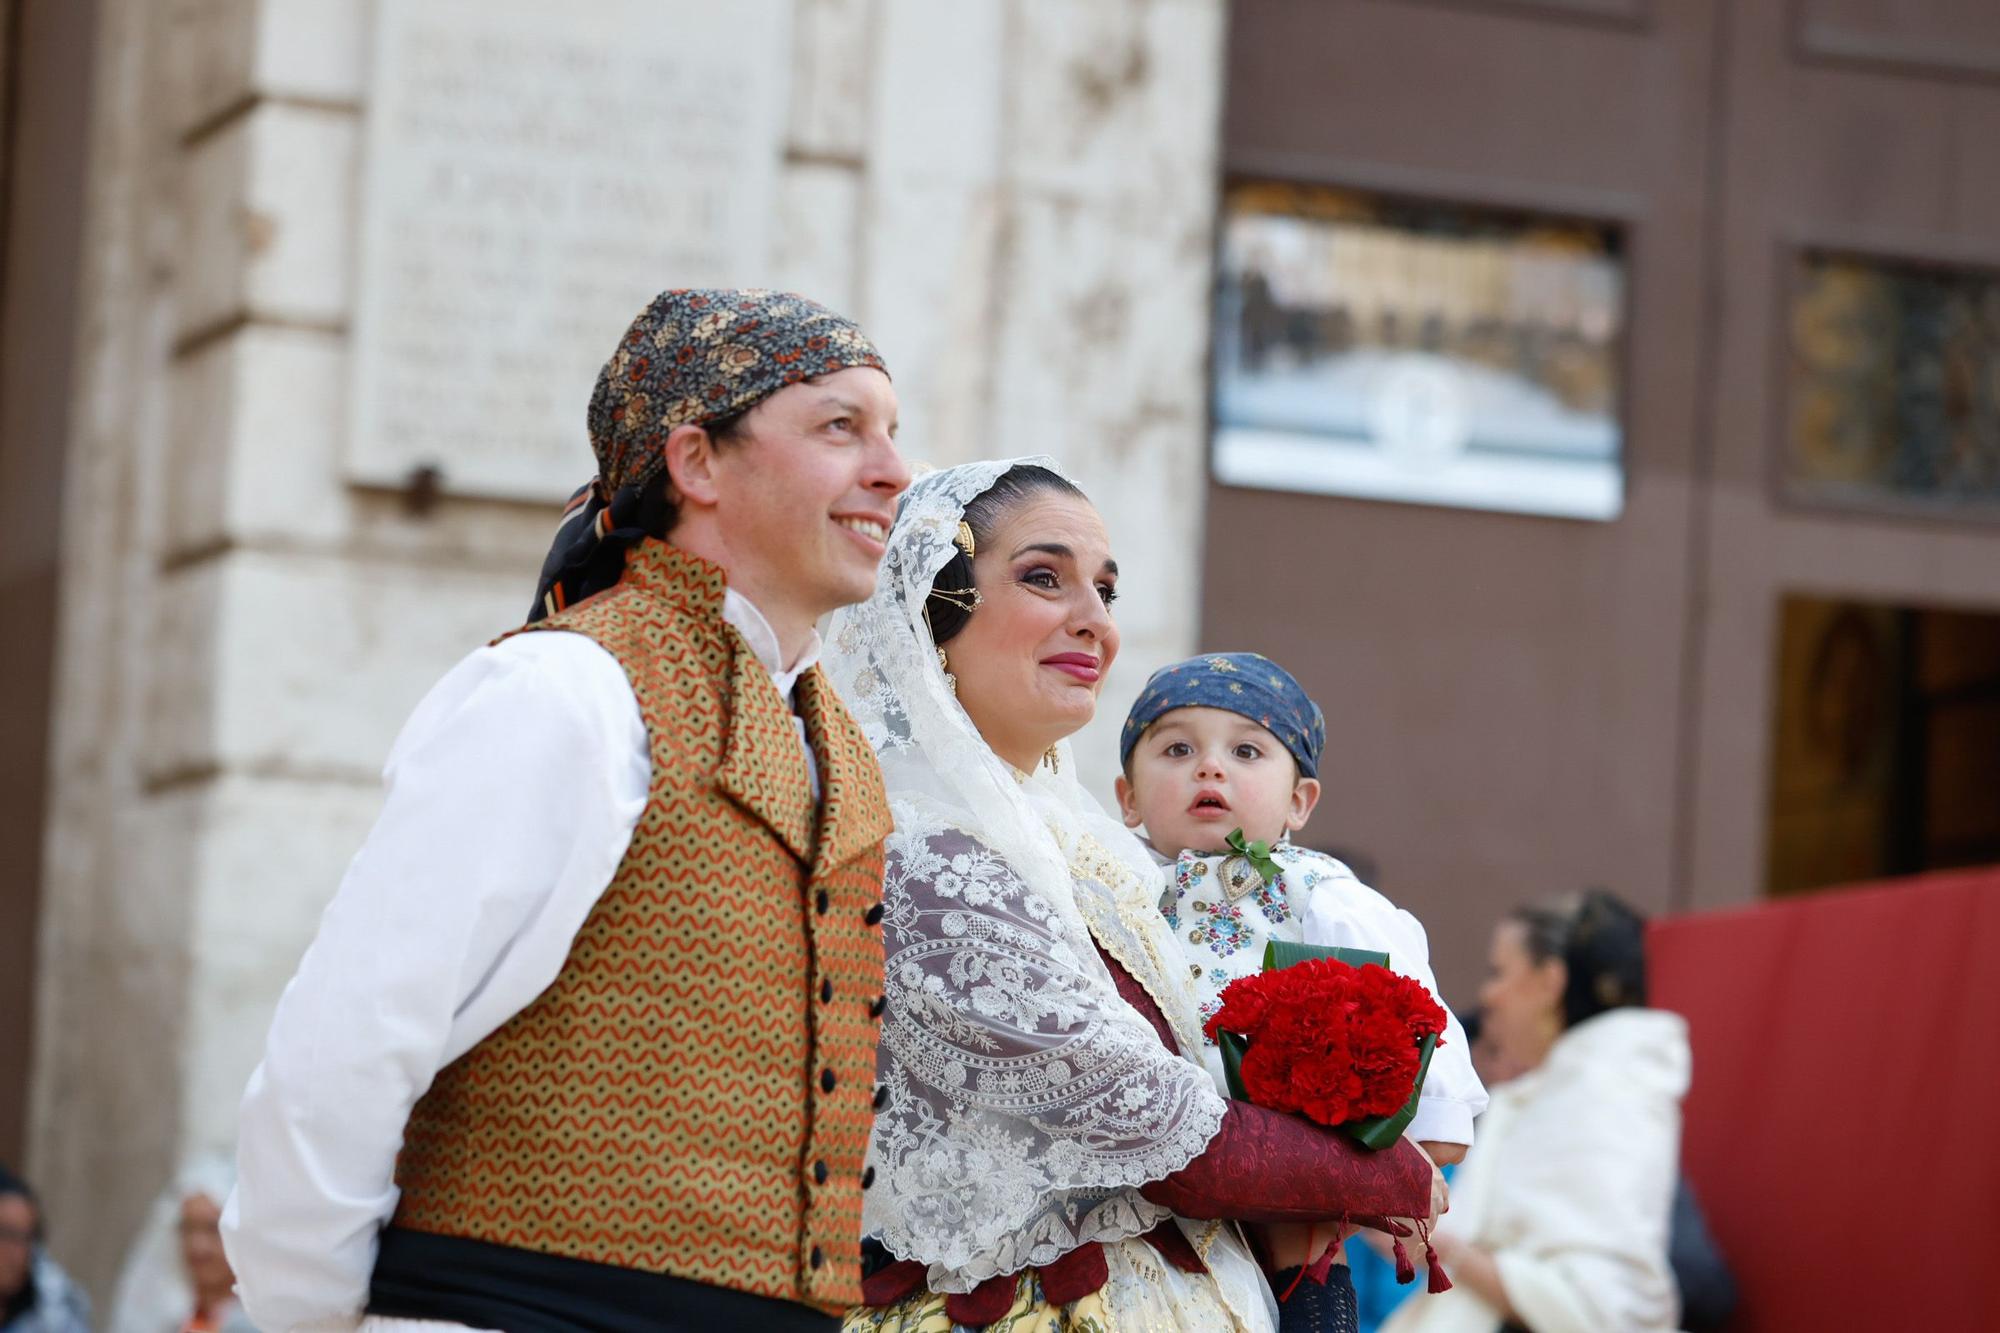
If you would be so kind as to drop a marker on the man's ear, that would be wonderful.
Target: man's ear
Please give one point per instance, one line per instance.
(691, 466)
(1128, 805)
(1305, 795)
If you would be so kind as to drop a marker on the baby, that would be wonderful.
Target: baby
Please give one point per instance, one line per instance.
(1229, 742)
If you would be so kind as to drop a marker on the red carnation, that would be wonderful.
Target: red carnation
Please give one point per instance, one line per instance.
(1330, 1041)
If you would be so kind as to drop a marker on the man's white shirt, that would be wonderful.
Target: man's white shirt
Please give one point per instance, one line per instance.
(513, 792)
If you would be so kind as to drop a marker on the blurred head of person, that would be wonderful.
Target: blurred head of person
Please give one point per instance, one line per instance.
(1488, 1060)
(1554, 965)
(175, 1274)
(207, 1266)
(20, 1232)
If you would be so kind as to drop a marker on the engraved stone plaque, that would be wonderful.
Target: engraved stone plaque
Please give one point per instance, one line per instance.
(533, 174)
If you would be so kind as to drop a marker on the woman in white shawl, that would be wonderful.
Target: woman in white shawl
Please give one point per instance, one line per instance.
(176, 1278)
(1561, 1209)
(1044, 1155)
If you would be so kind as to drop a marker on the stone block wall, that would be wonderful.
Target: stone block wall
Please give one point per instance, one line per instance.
(1014, 196)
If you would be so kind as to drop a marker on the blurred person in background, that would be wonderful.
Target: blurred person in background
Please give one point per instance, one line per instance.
(211, 1284)
(176, 1278)
(1561, 1210)
(1377, 1293)
(36, 1296)
(1701, 1274)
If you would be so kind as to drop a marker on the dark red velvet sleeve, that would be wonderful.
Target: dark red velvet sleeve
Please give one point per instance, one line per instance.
(1265, 1166)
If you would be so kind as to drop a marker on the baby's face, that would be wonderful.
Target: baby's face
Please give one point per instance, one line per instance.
(1199, 773)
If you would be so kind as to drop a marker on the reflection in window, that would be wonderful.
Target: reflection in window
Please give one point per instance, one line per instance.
(1895, 384)
(1401, 351)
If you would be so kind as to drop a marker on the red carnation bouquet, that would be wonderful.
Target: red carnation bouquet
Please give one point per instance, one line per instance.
(1335, 1036)
(1342, 1044)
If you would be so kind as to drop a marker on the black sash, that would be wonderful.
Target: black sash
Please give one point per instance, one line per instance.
(419, 1275)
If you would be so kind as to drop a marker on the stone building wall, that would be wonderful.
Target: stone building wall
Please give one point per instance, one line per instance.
(1015, 198)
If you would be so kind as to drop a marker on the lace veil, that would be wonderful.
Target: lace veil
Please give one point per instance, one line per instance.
(1027, 1100)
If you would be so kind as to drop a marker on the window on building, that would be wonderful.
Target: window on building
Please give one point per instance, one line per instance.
(1895, 386)
(1392, 350)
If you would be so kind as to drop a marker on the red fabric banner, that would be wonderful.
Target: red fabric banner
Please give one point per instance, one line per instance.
(1841, 1128)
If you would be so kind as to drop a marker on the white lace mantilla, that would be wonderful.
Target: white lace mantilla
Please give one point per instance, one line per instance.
(1027, 1099)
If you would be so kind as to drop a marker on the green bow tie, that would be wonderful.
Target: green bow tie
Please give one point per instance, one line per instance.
(1258, 854)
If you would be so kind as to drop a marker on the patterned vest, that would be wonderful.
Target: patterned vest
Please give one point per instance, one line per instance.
(693, 1094)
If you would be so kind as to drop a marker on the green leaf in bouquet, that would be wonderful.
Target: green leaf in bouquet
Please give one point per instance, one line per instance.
(1233, 1048)
(1281, 954)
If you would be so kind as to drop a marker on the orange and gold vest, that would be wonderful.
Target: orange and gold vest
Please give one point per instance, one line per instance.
(692, 1095)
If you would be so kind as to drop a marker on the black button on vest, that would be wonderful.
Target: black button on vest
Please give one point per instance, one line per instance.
(826, 1080)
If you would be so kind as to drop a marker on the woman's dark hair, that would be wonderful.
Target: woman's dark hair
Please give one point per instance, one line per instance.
(13, 1184)
(1600, 940)
(16, 1303)
(946, 614)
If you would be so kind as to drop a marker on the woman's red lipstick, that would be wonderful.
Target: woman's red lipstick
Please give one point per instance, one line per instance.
(1081, 665)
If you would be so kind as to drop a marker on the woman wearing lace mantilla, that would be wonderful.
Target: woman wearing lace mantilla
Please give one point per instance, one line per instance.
(1046, 1156)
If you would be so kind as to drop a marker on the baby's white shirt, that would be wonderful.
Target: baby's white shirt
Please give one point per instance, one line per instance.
(1314, 900)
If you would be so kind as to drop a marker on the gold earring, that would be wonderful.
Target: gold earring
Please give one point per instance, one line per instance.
(1053, 758)
(950, 681)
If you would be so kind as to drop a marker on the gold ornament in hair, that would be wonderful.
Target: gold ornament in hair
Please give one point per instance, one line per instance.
(965, 599)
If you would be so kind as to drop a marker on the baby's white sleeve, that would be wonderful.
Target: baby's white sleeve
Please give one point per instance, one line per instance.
(1347, 914)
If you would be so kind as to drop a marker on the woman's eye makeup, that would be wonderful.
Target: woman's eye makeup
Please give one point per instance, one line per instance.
(1048, 580)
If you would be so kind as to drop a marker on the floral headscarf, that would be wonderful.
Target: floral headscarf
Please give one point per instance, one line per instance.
(693, 356)
(698, 354)
(1246, 684)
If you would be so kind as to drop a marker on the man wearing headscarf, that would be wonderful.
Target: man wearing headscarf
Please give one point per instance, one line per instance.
(607, 970)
